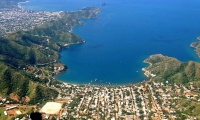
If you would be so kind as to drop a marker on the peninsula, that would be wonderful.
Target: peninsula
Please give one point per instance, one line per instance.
(164, 68)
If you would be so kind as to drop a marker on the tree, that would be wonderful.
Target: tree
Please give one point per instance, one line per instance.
(53, 118)
(127, 93)
(32, 57)
(182, 91)
(24, 88)
(6, 82)
(141, 111)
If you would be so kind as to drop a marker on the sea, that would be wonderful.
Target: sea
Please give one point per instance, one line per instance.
(125, 33)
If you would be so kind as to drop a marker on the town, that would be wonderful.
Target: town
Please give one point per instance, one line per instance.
(142, 101)
(147, 100)
(19, 18)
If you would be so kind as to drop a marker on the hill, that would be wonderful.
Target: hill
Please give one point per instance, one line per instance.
(29, 59)
(24, 86)
(164, 68)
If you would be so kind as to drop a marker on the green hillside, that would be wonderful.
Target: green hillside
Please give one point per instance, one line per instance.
(20, 83)
(28, 58)
(172, 70)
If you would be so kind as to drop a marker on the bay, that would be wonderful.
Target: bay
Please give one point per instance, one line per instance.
(126, 33)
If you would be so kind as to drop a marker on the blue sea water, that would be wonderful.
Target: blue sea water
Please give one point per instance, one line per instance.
(126, 33)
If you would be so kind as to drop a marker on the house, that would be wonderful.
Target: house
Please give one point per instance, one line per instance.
(5, 113)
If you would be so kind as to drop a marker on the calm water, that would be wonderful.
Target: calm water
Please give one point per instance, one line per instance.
(126, 33)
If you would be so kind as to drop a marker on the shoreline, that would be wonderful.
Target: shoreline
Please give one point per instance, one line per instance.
(67, 45)
(146, 72)
(195, 46)
(103, 85)
(19, 4)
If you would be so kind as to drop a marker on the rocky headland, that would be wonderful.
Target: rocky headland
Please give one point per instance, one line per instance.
(196, 45)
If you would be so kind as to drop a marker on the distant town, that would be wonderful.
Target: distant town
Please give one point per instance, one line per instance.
(19, 18)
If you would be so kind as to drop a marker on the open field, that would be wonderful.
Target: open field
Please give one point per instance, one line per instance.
(51, 108)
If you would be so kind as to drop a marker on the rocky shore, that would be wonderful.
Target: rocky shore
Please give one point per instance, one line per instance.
(196, 45)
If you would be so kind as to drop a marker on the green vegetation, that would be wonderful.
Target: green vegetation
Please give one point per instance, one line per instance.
(28, 58)
(18, 82)
(190, 108)
(41, 45)
(2, 116)
(196, 45)
(172, 70)
(75, 102)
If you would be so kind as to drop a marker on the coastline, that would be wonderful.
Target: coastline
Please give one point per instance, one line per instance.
(67, 45)
(195, 45)
(148, 99)
(102, 85)
(147, 73)
(94, 12)
(19, 4)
